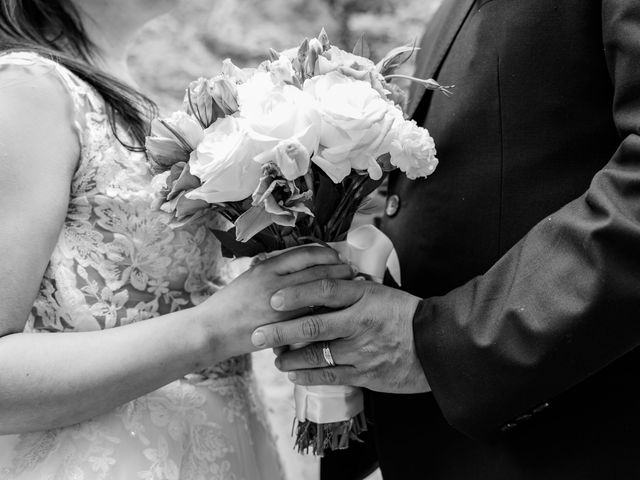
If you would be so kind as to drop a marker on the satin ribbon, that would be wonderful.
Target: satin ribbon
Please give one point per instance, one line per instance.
(372, 252)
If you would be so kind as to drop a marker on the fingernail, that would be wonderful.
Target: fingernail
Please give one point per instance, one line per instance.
(277, 301)
(278, 363)
(259, 339)
(354, 270)
(261, 257)
(342, 258)
(292, 377)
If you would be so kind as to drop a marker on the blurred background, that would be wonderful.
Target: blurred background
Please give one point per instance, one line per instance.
(199, 34)
(193, 40)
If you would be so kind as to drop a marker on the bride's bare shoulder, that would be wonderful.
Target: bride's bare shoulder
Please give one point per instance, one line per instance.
(37, 111)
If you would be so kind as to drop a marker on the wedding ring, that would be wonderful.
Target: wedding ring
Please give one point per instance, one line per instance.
(326, 352)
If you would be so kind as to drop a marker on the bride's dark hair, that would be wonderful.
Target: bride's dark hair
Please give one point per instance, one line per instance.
(53, 29)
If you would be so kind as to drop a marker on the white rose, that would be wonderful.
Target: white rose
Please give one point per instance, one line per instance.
(276, 113)
(282, 70)
(413, 150)
(255, 89)
(356, 122)
(236, 74)
(224, 163)
(336, 58)
(290, 156)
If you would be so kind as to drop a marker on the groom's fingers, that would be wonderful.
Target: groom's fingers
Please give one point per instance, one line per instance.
(326, 376)
(314, 328)
(302, 258)
(330, 293)
(312, 356)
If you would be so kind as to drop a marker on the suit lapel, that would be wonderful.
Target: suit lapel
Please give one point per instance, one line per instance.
(436, 42)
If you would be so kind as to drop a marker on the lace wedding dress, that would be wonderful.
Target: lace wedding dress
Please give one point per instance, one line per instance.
(116, 262)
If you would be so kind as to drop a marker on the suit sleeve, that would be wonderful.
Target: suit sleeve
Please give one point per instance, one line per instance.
(565, 301)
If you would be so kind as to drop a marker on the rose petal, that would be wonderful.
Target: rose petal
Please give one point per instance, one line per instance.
(165, 152)
(186, 181)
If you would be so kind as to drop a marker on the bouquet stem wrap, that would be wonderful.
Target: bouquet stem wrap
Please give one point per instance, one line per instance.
(329, 417)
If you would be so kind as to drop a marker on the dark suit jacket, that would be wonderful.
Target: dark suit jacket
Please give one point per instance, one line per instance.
(525, 245)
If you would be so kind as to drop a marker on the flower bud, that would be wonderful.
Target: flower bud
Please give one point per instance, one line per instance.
(303, 52)
(164, 152)
(273, 55)
(315, 46)
(315, 51)
(282, 71)
(173, 139)
(179, 127)
(225, 95)
(431, 84)
(198, 102)
(324, 40)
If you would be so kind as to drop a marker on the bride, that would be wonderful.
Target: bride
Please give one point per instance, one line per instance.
(147, 375)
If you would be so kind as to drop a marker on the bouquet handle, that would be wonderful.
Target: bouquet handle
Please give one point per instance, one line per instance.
(329, 417)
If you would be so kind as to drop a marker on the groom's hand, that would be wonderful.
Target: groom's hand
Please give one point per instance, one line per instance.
(369, 333)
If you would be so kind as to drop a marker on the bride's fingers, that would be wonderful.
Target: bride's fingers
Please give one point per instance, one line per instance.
(332, 293)
(303, 258)
(314, 328)
(320, 272)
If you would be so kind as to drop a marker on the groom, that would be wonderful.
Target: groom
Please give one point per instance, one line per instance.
(511, 353)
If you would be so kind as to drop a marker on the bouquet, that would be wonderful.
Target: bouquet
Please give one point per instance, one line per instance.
(288, 152)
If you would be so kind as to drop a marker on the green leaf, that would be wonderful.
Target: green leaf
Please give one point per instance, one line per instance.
(263, 242)
(231, 248)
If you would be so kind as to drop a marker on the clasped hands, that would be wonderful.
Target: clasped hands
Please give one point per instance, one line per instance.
(367, 327)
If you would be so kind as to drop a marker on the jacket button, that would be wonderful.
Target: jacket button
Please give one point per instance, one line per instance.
(393, 205)
(508, 427)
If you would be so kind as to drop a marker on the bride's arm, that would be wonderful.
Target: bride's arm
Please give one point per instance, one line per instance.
(53, 380)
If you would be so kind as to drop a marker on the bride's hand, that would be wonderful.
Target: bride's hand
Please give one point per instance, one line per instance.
(233, 313)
